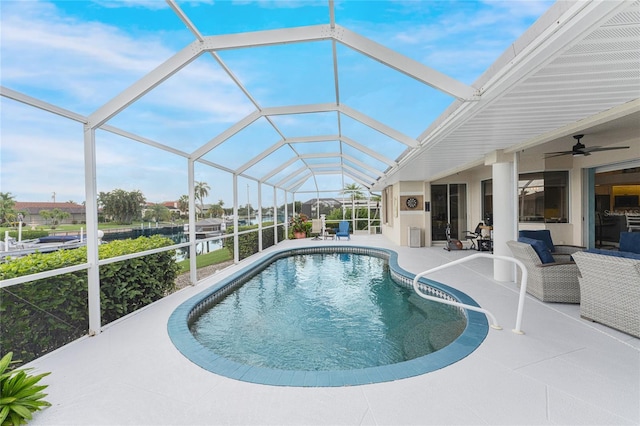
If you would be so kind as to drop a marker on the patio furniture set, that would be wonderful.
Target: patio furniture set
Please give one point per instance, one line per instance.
(321, 232)
(606, 283)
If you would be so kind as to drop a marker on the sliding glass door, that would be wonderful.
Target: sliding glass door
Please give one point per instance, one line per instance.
(448, 205)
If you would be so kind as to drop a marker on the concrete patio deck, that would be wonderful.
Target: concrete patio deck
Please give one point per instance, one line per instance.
(563, 370)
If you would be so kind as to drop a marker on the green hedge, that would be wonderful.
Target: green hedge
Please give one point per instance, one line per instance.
(26, 234)
(40, 316)
(248, 243)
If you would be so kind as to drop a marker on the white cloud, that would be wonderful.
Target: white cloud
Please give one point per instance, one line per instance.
(42, 160)
(78, 65)
(280, 4)
(146, 4)
(81, 65)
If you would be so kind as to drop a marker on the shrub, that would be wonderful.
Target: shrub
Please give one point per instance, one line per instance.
(248, 243)
(21, 394)
(27, 234)
(40, 316)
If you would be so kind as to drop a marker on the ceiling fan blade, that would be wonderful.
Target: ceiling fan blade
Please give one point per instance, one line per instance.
(557, 154)
(579, 149)
(599, 148)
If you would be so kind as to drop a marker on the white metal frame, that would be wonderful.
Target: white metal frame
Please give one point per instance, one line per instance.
(494, 322)
(571, 21)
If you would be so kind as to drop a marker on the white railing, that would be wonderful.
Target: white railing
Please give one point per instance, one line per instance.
(494, 323)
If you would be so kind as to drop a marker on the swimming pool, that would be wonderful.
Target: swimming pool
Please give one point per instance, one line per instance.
(245, 360)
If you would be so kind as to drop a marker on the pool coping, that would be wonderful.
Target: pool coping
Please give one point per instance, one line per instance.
(469, 340)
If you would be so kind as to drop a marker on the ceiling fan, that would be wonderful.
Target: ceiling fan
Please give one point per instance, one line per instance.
(579, 150)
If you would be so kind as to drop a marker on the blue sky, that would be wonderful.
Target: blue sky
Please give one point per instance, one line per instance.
(80, 54)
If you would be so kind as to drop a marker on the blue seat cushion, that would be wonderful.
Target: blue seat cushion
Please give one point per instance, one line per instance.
(630, 241)
(540, 247)
(540, 234)
(625, 254)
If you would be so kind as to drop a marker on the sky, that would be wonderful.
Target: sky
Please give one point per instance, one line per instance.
(79, 55)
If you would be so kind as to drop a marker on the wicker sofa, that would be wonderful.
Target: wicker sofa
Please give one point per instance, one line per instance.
(554, 281)
(610, 287)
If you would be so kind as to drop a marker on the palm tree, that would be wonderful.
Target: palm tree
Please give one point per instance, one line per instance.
(201, 190)
(183, 204)
(6, 205)
(219, 208)
(355, 192)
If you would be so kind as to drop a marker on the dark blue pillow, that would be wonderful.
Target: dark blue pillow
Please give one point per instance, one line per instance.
(630, 241)
(540, 247)
(540, 234)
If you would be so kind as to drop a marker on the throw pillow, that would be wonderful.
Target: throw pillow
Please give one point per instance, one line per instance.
(630, 241)
(540, 247)
(540, 234)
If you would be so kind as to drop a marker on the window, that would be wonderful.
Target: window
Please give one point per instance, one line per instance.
(387, 197)
(487, 202)
(543, 197)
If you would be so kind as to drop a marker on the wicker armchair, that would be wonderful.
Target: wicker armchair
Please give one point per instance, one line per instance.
(549, 282)
(610, 289)
(560, 252)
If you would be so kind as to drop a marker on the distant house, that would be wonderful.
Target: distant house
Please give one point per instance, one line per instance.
(326, 205)
(210, 227)
(31, 211)
(172, 206)
(203, 210)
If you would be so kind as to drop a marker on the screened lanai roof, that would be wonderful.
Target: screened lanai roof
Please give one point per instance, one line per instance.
(335, 99)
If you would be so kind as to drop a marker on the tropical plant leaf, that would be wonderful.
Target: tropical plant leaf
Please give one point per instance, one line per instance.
(4, 412)
(20, 410)
(20, 393)
(5, 361)
(27, 392)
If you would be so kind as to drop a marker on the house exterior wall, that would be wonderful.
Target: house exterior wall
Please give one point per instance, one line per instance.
(411, 218)
(572, 232)
(402, 218)
(31, 211)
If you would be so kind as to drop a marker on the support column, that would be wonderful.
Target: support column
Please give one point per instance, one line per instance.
(236, 240)
(505, 215)
(91, 209)
(428, 236)
(286, 214)
(259, 216)
(193, 269)
(275, 216)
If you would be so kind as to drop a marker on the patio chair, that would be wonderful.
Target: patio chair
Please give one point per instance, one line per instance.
(633, 222)
(343, 230)
(560, 252)
(473, 236)
(553, 281)
(316, 228)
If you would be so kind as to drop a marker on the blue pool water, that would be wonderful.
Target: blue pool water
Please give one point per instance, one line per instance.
(324, 316)
(326, 312)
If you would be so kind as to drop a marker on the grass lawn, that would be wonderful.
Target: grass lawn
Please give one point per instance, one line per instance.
(211, 258)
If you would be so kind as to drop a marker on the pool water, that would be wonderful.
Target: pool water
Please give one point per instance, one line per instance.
(324, 312)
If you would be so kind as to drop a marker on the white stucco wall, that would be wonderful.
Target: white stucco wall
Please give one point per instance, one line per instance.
(563, 233)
